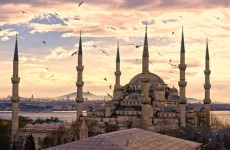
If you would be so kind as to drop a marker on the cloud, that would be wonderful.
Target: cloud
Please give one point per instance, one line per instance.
(59, 53)
(147, 22)
(169, 20)
(48, 19)
(220, 86)
(6, 34)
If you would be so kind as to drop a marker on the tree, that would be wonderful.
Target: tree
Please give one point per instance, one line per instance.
(30, 144)
(5, 135)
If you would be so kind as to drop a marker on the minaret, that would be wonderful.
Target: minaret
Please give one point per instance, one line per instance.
(15, 97)
(79, 83)
(145, 70)
(182, 83)
(145, 86)
(207, 86)
(117, 86)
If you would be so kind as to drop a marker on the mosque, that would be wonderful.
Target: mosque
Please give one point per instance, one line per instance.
(146, 101)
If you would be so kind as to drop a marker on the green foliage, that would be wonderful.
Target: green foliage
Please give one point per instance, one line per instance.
(56, 137)
(30, 144)
(213, 138)
(5, 135)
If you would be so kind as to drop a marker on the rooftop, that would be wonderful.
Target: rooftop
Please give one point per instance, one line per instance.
(130, 139)
(154, 79)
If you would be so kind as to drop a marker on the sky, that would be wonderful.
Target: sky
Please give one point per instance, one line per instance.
(59, 23)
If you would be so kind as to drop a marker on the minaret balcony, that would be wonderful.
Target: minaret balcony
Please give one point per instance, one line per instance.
(15, 99)
(207, 101)
(117, 73)
(183, 101)
(15, 79)
(207, 72)
(80, 68)
(182, 66)
(79, 83)
(207, 86)
(182, 83)
(79, 99)
(117, 87)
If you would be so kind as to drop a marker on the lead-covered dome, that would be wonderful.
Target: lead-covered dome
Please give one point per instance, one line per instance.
(154, 79)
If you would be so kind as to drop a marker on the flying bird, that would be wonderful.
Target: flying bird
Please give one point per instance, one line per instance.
(80, 3)
(173, 33)
(170, 60)
(105, 79)
(52, 76)
(104, 52)
(137, 46)
(159, 53)
(112, 28)
(101, 50)
(74, 53)
(56, 14)
(44, 42)
(24, 12)
(110, 96)
(47, 69)
(137, 59)
(110, 86)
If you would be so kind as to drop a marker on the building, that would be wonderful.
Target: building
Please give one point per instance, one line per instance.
(147, 102)
(130, 139)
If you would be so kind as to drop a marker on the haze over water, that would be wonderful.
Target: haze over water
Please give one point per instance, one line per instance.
(70, 116)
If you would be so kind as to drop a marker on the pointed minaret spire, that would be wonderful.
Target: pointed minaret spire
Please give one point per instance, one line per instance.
(79, 99)
(146, 49)
(15, 93)
(80, 46)
(207, 86)
(118, 55)
(16, 49)
(182, 83)
(182, 49)
(145, 56)
(117, 87)
(207, 53)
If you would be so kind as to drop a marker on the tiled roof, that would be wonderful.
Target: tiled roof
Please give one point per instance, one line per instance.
(130, 139)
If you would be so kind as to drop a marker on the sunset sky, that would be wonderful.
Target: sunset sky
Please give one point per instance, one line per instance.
(58, 23)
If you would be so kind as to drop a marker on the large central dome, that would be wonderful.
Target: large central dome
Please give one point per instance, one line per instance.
(154, 79)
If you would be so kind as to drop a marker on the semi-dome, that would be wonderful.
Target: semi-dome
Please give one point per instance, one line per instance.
(154, 79)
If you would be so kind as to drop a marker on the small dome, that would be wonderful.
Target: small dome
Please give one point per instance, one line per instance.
(38, 126)
(154, 79)
(173, 90)
(29, 126)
